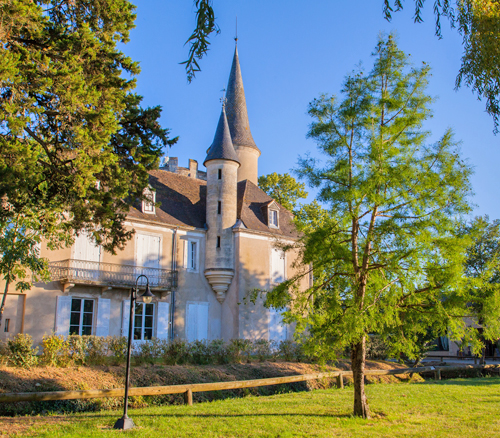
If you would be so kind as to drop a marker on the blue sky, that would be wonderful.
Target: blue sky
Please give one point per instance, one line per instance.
(290, 52)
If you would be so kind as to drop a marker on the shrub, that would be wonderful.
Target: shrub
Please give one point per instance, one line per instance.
(218, 352)
(298, 352)
(238, 348)
(97, 350)
(199, 352)
(55, 350)
(4, 353)
(149, 351)
(117, 346)
(78, 347)
(286, 350)
(176, 352)
(274, 349)
(21, 351)
(262, 349)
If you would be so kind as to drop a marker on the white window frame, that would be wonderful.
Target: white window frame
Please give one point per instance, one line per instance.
(192, 260)
(192, 255)
(153, 315)
(274, 214)
(82, 312)
(148, 206)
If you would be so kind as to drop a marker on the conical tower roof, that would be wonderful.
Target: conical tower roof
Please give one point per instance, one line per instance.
(222, 147)
(236, 107)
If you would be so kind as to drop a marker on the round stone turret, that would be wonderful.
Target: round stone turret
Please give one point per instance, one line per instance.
(222, 177)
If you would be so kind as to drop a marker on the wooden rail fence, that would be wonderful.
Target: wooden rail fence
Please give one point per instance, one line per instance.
(476, 359)
(188, 389)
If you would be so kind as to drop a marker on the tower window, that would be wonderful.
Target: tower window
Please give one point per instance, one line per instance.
(218, 241)
(7, 323)
(220, 173)
(219, 208)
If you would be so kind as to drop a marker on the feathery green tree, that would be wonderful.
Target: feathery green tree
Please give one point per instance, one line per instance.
(387, 258)
(478, 21)
(482, 268)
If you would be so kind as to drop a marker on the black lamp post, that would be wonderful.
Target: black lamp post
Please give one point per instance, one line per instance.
(125, 422)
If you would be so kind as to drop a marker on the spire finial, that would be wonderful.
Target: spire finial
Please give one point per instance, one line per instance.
(236, 37)
(223, 98)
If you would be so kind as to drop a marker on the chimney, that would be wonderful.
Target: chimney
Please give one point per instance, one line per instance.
(193, 168)
(164, 163)
(172, 164)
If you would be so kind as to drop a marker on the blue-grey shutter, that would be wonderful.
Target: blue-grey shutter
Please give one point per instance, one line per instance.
(125, 317)
(103, 313)
(202, 321)
(277, 330)
(63, 312)
(191, 322)
(162, 321)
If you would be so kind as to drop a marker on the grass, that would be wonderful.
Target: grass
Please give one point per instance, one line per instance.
(453, 408)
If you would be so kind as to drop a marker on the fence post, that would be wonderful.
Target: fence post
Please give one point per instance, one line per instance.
(340, 381)
(437, 375)
(188, 397)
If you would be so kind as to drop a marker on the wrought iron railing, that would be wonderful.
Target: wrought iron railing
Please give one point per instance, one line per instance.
(110, 274)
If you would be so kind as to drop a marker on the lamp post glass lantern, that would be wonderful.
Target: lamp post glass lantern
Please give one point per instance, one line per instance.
(125, 422)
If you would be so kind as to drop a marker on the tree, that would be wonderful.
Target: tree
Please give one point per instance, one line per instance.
(75, 144)
(482, 268)
(284, 189)
(198, 41)
(478, 22)
(387, 258)
(21, 237)
(73, 134)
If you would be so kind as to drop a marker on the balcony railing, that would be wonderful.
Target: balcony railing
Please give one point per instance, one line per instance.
(110, 274)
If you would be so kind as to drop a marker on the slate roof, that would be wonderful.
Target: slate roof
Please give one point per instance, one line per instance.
(222, 146)
(236, 107)
(251, 210)
(182, 198)
(183, 202)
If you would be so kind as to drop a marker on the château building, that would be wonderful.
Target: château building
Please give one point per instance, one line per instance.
(204, 241)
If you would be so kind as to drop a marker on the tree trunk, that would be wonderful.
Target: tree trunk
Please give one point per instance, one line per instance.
(2, 307)
(358, 352)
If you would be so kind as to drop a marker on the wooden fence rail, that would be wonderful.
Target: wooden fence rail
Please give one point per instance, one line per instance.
(188, 389)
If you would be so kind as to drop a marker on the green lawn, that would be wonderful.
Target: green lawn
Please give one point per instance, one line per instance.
(453, 408)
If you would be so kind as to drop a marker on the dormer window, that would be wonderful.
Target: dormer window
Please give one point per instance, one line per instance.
(273, 219)
(148, 204)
